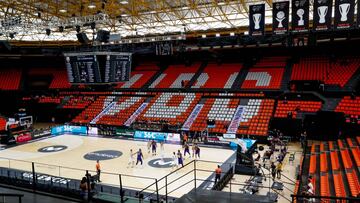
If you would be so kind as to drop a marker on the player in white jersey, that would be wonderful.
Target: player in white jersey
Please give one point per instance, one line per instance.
(174, 160)
(131, 159)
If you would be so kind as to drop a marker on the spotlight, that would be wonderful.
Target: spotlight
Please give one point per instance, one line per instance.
(91, 5)
(48, 32)
(124, 1)
(78, 28)
(62, 10)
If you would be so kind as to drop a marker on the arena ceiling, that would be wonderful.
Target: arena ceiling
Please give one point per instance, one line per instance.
(28, 19)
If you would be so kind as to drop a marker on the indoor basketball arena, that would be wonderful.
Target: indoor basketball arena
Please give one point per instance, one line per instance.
(179, 101)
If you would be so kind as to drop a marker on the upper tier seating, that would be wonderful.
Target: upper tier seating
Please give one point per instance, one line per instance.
(10, 79)
(173, 76)
(320, 68)
(171, 107)
(119, 113)
(60, 80)
(349, 106)
(78, 102)
(59, 77)
(284, 107)
(263, 78)
(218, 76)
(274, 61)
(137, 79)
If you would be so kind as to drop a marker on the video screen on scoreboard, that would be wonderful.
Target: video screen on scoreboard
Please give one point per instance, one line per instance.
(98, 67)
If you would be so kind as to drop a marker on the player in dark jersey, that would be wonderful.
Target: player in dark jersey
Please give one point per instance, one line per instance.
(180, 159)
(187, 150)
(153, 147)
(140, 157)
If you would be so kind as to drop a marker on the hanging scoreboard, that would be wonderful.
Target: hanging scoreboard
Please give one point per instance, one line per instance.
(98, 67)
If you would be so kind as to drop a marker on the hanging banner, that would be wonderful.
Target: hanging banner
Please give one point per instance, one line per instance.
(344, 13)
(358, 15)
(256, 19)
(322, 14)
(280, 17)
(300, 15)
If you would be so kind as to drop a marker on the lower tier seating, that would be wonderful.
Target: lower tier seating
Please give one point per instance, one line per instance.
(121, 111)
(78, 102)
(349, 106)
(172, 108)
(2, 123)
(343, 168)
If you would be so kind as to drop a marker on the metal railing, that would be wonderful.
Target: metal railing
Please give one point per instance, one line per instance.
(11, 197)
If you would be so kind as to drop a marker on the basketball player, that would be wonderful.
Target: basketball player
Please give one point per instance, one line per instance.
(140, 157)
(153, 147)
(174, 157)
(162, 145)
(186, 150)
(131, 159)
(149, 146)
(197, 151)
(180, 159)
(193, 149)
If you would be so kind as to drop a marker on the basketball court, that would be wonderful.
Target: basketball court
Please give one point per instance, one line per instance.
(69, 156)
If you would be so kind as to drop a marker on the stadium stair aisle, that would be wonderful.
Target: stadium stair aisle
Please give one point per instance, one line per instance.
(317, 170)
(153, 78)
(286, 77)
(342, 169)
(305, 168)
(196, 76)
(240, 78)
(353, 175)
(354, 79)
(330, 172)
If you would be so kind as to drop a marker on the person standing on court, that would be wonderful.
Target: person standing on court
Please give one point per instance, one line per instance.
(153, 147)
(140, 157)
(217, 173)
(278, 170)
(98, 170)
(180, 159)
(186, 150)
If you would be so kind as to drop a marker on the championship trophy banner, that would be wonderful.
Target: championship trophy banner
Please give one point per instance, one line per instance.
(256, 19)
(344, 13)
(322, 14)
(358, 15)
(300, 15)
(280, 17)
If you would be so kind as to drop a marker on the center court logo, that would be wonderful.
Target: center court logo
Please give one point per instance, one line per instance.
(54, 148)
(161, 163)
(102, 155)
